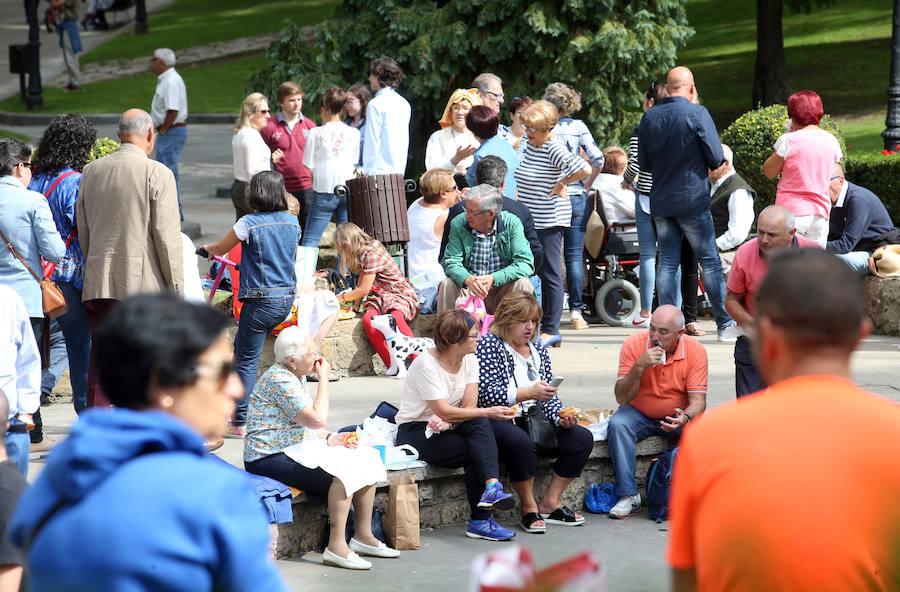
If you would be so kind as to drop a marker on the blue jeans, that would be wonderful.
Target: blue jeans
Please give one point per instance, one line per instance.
(626, 427)
(858, 261)
(573, 246)
(699, 231)
(58, 359)
(647, 266)
(259, 316)
(168, 152)
(320, 212)
(18, 446)
(77, 332)
(551, 279)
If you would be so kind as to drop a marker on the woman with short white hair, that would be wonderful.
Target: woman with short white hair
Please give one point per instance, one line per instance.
(282, 414)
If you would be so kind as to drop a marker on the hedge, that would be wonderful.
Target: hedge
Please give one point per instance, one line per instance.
(880, 174)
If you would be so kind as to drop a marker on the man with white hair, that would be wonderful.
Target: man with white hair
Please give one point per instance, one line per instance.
(487, 254)
(731, 205)
(169, 111)
(128, 227)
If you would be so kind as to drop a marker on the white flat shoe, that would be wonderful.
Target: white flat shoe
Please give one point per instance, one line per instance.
(381, 550)
(353, 561)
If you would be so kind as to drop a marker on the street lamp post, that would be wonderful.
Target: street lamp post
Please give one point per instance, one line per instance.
(140, 17)
(891, 135)
(34, 98)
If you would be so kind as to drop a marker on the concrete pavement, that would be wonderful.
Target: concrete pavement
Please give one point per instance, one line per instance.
(632, 550)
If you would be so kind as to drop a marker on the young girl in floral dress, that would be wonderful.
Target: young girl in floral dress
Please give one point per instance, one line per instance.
(381, 284)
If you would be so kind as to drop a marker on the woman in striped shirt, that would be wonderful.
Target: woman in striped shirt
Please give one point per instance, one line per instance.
(546, 169)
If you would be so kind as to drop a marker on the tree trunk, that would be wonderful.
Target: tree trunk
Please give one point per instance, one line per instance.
(770, 80)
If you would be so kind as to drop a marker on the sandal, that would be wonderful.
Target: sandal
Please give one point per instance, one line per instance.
(692, 330)
(528, 521)
(564, 517)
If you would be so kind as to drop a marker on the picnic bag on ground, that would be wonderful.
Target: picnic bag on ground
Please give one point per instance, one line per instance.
(401, 517)
(659, 479)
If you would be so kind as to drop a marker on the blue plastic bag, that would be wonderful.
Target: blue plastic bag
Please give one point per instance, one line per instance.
(600, 498)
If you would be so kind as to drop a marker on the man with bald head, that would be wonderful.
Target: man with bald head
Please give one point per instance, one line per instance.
(128, 226)
(775, 230)
(660, 387)
(678, 144)
(795, 488)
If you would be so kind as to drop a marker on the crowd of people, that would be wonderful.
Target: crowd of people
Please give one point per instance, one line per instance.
(502, 213)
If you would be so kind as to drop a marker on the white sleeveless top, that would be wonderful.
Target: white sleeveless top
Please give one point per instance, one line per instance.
(424, 247)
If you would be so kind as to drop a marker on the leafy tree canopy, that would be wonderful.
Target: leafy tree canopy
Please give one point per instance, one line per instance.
(608, 50)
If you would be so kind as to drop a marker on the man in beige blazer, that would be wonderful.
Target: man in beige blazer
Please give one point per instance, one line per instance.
(128, 227)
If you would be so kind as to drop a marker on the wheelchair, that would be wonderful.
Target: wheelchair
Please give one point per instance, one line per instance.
(611, 279)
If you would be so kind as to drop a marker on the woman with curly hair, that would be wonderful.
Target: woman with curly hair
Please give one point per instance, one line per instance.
(577, 138)
(61, 154)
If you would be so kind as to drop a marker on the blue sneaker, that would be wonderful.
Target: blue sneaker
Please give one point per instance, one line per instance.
(488, 530)
(494, 497)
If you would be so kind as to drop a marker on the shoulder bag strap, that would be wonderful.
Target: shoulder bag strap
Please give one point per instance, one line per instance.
(55, 183)
(16, 255)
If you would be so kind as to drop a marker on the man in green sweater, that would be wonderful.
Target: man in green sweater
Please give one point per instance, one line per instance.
(487, 254)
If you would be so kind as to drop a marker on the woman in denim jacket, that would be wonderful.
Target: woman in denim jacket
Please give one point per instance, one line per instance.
(269, 238)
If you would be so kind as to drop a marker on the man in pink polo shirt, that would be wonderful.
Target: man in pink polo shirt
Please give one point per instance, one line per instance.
(285, 132)
(775, 229)
(660, 387)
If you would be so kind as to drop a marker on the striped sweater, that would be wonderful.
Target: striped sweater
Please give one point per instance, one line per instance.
(645, 179)
(537, 173)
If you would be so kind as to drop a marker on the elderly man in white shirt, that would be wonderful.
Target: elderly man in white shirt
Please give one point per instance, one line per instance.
(20, 375)
(386, 142)
(731, 204)
(169, 111)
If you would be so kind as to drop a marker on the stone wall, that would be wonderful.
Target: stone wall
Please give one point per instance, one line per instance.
(443, 502)
(883, 304)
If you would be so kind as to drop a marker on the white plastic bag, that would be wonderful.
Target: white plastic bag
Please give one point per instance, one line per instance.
(377, 430)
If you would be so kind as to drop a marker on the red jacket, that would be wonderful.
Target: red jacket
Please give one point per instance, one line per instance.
(276, 135)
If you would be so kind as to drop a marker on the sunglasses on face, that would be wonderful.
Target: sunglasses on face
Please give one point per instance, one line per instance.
(264, 111)
(498, 96)
(219, 372)
(29, 165)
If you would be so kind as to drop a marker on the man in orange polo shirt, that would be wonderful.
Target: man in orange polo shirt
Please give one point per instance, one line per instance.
(796, 487)
(661, 386)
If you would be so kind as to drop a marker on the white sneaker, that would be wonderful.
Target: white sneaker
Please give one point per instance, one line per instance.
(626, 506)
(640, 322)
(730, 333)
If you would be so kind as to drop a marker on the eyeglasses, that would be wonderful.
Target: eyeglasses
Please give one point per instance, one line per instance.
(478, 213)
(264, 111)
(534, 130)
(220, 372)
(30, 165)
(532, 373)
(498, 96)
(449, 189)
(476, 337)
(836, 177)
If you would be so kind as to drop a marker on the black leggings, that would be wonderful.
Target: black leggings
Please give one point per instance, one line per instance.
(470, 446)
(690, 282)
(279, 466)
(518, 453)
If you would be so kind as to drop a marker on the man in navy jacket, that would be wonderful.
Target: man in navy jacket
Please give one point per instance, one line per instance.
(678, 143)
(859, 222)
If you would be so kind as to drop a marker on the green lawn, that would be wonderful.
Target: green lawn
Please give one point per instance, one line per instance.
(212, 88)
(188, 23)
(841, 52)
(8, 134)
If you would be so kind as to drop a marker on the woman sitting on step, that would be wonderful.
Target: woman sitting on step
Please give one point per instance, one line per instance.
(282, 413)
(515, 368)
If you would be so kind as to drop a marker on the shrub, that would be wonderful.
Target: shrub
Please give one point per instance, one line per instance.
(752, 137)
(609, 51)
(103, 147)
(880, 174)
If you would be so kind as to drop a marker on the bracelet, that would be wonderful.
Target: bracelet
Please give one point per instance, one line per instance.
(328, 435)
(688, 416)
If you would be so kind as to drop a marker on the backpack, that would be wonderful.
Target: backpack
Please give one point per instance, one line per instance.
(659, 478)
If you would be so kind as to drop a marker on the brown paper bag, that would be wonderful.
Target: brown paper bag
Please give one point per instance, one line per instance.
(401, 518)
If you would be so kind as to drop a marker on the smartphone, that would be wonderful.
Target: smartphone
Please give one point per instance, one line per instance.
(557, 380)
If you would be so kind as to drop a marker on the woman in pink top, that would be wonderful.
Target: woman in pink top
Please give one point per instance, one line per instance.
(804, 157)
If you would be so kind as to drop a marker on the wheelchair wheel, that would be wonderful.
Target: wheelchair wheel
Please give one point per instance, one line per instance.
(617, 302)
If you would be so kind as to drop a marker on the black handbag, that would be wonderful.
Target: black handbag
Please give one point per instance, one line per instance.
(539, 428)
